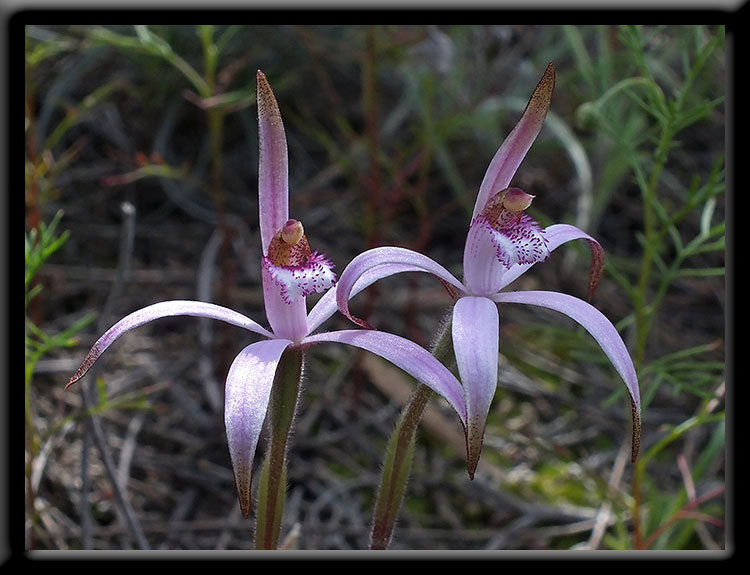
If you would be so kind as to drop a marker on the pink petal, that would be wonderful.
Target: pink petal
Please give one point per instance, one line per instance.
(504, 164)
(160, 310)
(273, 175)
(248, 389)
(475, 342)
(557, 235)
(593, 321)
(483, 271)
(327, 305)
(379, 263)
(322, 310)
(410, 357)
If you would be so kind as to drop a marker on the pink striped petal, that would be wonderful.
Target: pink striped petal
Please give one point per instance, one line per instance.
(248, 389)
(504, 164)
(594, 322)
(288, 319)
(405, 354)
(315, 276)
(379, 263)
(161, 310)
(475, 342)
(556, 235)
(494, 248)
(273, 175)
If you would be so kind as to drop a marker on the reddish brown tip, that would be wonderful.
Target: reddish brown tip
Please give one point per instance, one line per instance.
(636, 439)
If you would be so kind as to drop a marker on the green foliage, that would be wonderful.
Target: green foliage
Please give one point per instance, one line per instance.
(40, 245)
(669, 92)
(642, 101)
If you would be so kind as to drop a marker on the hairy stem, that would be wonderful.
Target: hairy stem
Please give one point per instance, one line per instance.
(400, 452)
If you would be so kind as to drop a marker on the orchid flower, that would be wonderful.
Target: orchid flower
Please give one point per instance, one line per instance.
(502, 243)
(290, 272)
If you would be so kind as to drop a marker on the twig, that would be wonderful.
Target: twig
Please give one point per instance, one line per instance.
(205, 331)
(95, 427)
(604, 515)
(128, 448)
(687, 512)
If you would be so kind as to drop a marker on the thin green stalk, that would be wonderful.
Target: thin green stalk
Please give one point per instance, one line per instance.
(396, 468)
(643, 312)
(671, 117)
(400, 452)
(159, 47)
(281, 411)
(215, 117)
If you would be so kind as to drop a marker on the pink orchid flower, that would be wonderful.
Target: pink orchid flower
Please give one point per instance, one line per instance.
(290, 273)
(502, 243)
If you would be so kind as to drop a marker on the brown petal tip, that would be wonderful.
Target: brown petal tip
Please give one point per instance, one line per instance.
(636, 440)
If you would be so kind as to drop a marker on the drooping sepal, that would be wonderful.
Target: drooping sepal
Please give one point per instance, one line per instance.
(475, 331)
(635, 442)
(248, 391)
(602, 330)
(161, 310)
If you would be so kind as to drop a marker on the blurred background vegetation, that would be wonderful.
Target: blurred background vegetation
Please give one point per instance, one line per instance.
(141, 186)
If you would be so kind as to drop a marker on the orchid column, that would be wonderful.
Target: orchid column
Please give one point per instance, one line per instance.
(502, 243)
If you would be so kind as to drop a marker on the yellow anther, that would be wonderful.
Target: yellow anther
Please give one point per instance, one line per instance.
(289, 246)
(292, 232)
(516, 200)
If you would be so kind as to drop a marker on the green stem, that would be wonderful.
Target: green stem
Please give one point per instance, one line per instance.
(281, 411)
(399, 454)
(643, 311)
(671, 120)
(215, 118)
(396, 468)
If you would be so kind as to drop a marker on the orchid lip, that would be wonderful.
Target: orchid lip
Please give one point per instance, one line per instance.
(494, 247)
(314, 276)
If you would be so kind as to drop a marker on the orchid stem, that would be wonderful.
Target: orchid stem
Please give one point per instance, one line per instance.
(396, 468)
(281, 411)
(400, 452)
